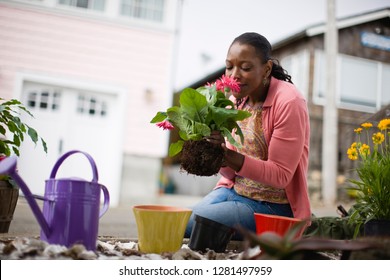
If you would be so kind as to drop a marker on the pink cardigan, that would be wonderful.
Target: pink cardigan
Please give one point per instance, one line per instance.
(287, 131)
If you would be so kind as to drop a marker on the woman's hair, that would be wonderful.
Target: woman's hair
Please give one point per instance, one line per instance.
(263, 49)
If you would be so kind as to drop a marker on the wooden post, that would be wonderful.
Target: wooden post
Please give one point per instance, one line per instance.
(330, 116)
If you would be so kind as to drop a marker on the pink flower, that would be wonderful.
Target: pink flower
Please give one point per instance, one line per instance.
(228, 82)
(209, 85)
(165, 125)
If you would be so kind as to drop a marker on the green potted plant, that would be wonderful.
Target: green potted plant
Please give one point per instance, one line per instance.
(287, 247)
(12, 134)
(372, 188)
(202, 111)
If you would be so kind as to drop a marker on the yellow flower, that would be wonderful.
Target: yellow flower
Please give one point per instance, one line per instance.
(372, 167)
(358, 130)
(384, 124)
(378, 138)
(364, 150)
(352, 153)
(366, 125)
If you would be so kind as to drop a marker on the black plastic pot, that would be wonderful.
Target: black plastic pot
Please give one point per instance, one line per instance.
(209, 234)
(377, 228)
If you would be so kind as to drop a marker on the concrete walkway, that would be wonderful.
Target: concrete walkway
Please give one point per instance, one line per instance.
(119, 221)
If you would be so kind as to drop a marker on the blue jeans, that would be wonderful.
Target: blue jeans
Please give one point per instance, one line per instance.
(225, 206)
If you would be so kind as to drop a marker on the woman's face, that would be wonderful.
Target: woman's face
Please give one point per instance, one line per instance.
(243, 64)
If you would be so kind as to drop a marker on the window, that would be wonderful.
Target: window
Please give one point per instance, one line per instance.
(97, 5)
(358, 81)
(297, 66)
(319, 78)
(363, 84)
(152, 10)
(91, 105)
(385, 98)
(44, 99)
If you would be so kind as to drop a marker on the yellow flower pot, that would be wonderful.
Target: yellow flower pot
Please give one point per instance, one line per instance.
(160, 228)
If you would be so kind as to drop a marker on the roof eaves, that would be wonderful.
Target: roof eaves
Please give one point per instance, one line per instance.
(341, 23)
(289, 40)
(350, 21)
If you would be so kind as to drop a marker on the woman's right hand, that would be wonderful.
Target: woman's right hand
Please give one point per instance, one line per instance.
(216, 138)
(232, 158)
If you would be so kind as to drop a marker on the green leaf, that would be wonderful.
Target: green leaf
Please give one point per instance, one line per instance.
(4, 149)
(239, 133)
(194, 105)
(174, 113)
(241, 115)
(175, 148)
(16, 140)
(159, 117)
(33, 134)
(176, 117)
(195, 136)
(226, 133)
(2, 130)
(10, 112)
(210, 93)
(201, 128)
(44, 145)
(223, 103)
(12, 126)
(11, 102)
(221, 115)
(16, 150)
(183, 135)
(25, 110)
(294, 230)
(271, 243)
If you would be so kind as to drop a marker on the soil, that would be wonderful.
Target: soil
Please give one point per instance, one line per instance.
(201, 157)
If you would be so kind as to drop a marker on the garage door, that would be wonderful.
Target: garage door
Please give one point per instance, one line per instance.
(71, 118)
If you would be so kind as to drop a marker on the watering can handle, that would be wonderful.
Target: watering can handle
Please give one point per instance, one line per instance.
(106, 202)
(64, 156)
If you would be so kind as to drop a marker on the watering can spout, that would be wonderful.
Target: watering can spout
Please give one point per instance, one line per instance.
(8, 166)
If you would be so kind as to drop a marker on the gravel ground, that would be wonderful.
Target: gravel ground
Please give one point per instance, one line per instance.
(114, 249)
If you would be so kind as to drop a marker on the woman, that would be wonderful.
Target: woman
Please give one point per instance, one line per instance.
(268, 174)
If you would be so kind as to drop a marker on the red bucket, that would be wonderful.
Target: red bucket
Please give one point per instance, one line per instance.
(277, 224)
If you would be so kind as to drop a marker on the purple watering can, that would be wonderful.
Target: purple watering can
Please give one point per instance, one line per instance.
(71, 208)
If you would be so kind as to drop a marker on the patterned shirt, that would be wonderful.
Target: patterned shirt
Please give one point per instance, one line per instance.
(255, 146)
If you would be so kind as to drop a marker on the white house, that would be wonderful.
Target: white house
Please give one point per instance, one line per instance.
(93, 73)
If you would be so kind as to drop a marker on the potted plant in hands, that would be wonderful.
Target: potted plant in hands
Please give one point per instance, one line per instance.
(11, 125)
(372, 207)
(202, 111)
